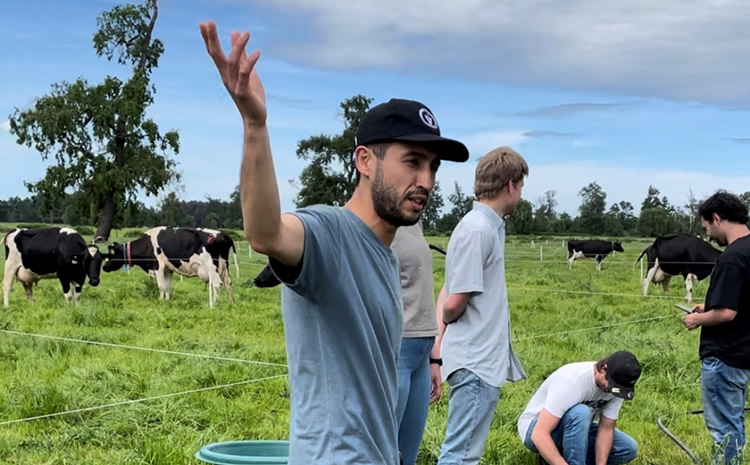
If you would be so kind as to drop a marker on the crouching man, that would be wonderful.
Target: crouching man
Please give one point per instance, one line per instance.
(558, 422)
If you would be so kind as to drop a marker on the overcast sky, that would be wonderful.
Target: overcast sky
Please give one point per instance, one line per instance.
(626, 93)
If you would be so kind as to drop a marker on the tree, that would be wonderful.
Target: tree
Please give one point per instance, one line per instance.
(745, 198)
(591, 211)
(431, 213)
(545, 213)
(658, 216)
(104, 146)
(521, 221)
(462, 203)
(172, 212)
(330, 177)
(652, 199)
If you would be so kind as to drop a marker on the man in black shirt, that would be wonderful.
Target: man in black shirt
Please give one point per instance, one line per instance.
(725, 321)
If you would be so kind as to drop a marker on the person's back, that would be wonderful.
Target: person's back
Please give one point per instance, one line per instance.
(418, 379)
(417, 281)
(347, 296)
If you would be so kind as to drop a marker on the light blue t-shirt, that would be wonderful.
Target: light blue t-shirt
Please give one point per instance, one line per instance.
(343, 322)
(479, 340)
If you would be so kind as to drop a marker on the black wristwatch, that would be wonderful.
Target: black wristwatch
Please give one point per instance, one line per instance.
(439, 361)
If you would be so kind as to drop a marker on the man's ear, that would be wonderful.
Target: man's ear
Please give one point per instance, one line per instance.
(362, 160)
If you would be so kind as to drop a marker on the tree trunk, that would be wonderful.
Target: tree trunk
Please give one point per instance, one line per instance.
(106, 221)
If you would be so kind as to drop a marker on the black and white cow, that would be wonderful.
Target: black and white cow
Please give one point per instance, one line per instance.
(219, 244)
(592, 248)
(32, 255)
(678, 254)
(266, 278)
(164, 251)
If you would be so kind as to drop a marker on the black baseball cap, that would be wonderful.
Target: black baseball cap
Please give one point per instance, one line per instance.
(408, 121)
(623, 370)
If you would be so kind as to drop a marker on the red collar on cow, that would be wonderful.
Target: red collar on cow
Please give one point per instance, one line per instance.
(127, 253)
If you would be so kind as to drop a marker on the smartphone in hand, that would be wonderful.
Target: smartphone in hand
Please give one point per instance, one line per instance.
(684, 308)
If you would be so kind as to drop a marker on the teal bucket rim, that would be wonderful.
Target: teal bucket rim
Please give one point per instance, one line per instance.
(217, 458)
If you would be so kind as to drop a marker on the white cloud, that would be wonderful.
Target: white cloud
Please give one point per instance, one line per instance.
(670, 49)
(5, 126)
(620, 181)
(483, 142)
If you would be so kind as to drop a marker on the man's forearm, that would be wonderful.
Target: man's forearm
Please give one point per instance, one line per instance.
(441, 325)
(603, 445)
(453, 314)
(715, 317)
(548, 450)
(259, 193)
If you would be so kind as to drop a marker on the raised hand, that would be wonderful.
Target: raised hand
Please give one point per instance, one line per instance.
(238, 73)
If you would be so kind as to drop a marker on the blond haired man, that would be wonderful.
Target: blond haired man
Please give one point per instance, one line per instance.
(474, 318)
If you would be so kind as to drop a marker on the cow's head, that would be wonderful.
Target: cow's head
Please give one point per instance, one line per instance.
(266, 278)
(92, 263)
(618, 246)
(115, 257)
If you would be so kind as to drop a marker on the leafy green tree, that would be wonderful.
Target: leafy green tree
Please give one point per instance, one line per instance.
(591, 211)
(102, 142)
(545, 212)
(431, 214)
(521, 221)
(462, 203)
(330, 176)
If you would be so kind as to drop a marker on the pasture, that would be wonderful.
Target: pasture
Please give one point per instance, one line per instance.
(232, 359)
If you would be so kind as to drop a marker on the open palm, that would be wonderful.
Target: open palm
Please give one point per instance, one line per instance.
(238, 73)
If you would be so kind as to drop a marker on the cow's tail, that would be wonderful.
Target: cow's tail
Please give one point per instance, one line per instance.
(236, 266)
(640, 256)
(5, 242)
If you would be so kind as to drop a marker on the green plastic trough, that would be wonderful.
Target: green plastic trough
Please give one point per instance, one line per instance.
(245, 452)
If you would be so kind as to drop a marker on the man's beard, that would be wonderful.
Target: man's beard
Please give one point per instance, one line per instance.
(387, 204)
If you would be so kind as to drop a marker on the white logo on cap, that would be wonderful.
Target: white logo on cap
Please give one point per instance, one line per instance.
(428, 118)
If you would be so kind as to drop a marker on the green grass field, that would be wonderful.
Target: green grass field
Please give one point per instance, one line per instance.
(558, 316)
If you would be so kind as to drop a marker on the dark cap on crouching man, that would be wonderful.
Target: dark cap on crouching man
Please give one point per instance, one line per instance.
(564, 408)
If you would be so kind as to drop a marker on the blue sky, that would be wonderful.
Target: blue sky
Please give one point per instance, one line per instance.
(626, 95)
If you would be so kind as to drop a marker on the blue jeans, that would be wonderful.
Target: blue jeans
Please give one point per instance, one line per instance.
(724, 391)
(575, 437)
(414, 389)
(471, 406)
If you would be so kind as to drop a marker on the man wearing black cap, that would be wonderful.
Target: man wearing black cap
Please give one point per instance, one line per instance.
(341, 299)
(558, 422)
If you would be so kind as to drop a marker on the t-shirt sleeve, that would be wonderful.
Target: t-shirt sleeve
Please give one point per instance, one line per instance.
(612, 408)
(468, 256)
(320, 259)
(727, 282)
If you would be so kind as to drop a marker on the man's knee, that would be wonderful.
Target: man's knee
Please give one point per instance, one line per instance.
(577, 416)
(629, 448)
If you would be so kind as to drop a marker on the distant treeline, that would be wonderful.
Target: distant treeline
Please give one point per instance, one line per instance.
(595, 217)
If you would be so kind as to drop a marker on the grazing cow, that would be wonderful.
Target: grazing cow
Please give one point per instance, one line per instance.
(594, 248)
(219, 244)
(266, 278)
(32, 255)
(164, 251)
(675, 254)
